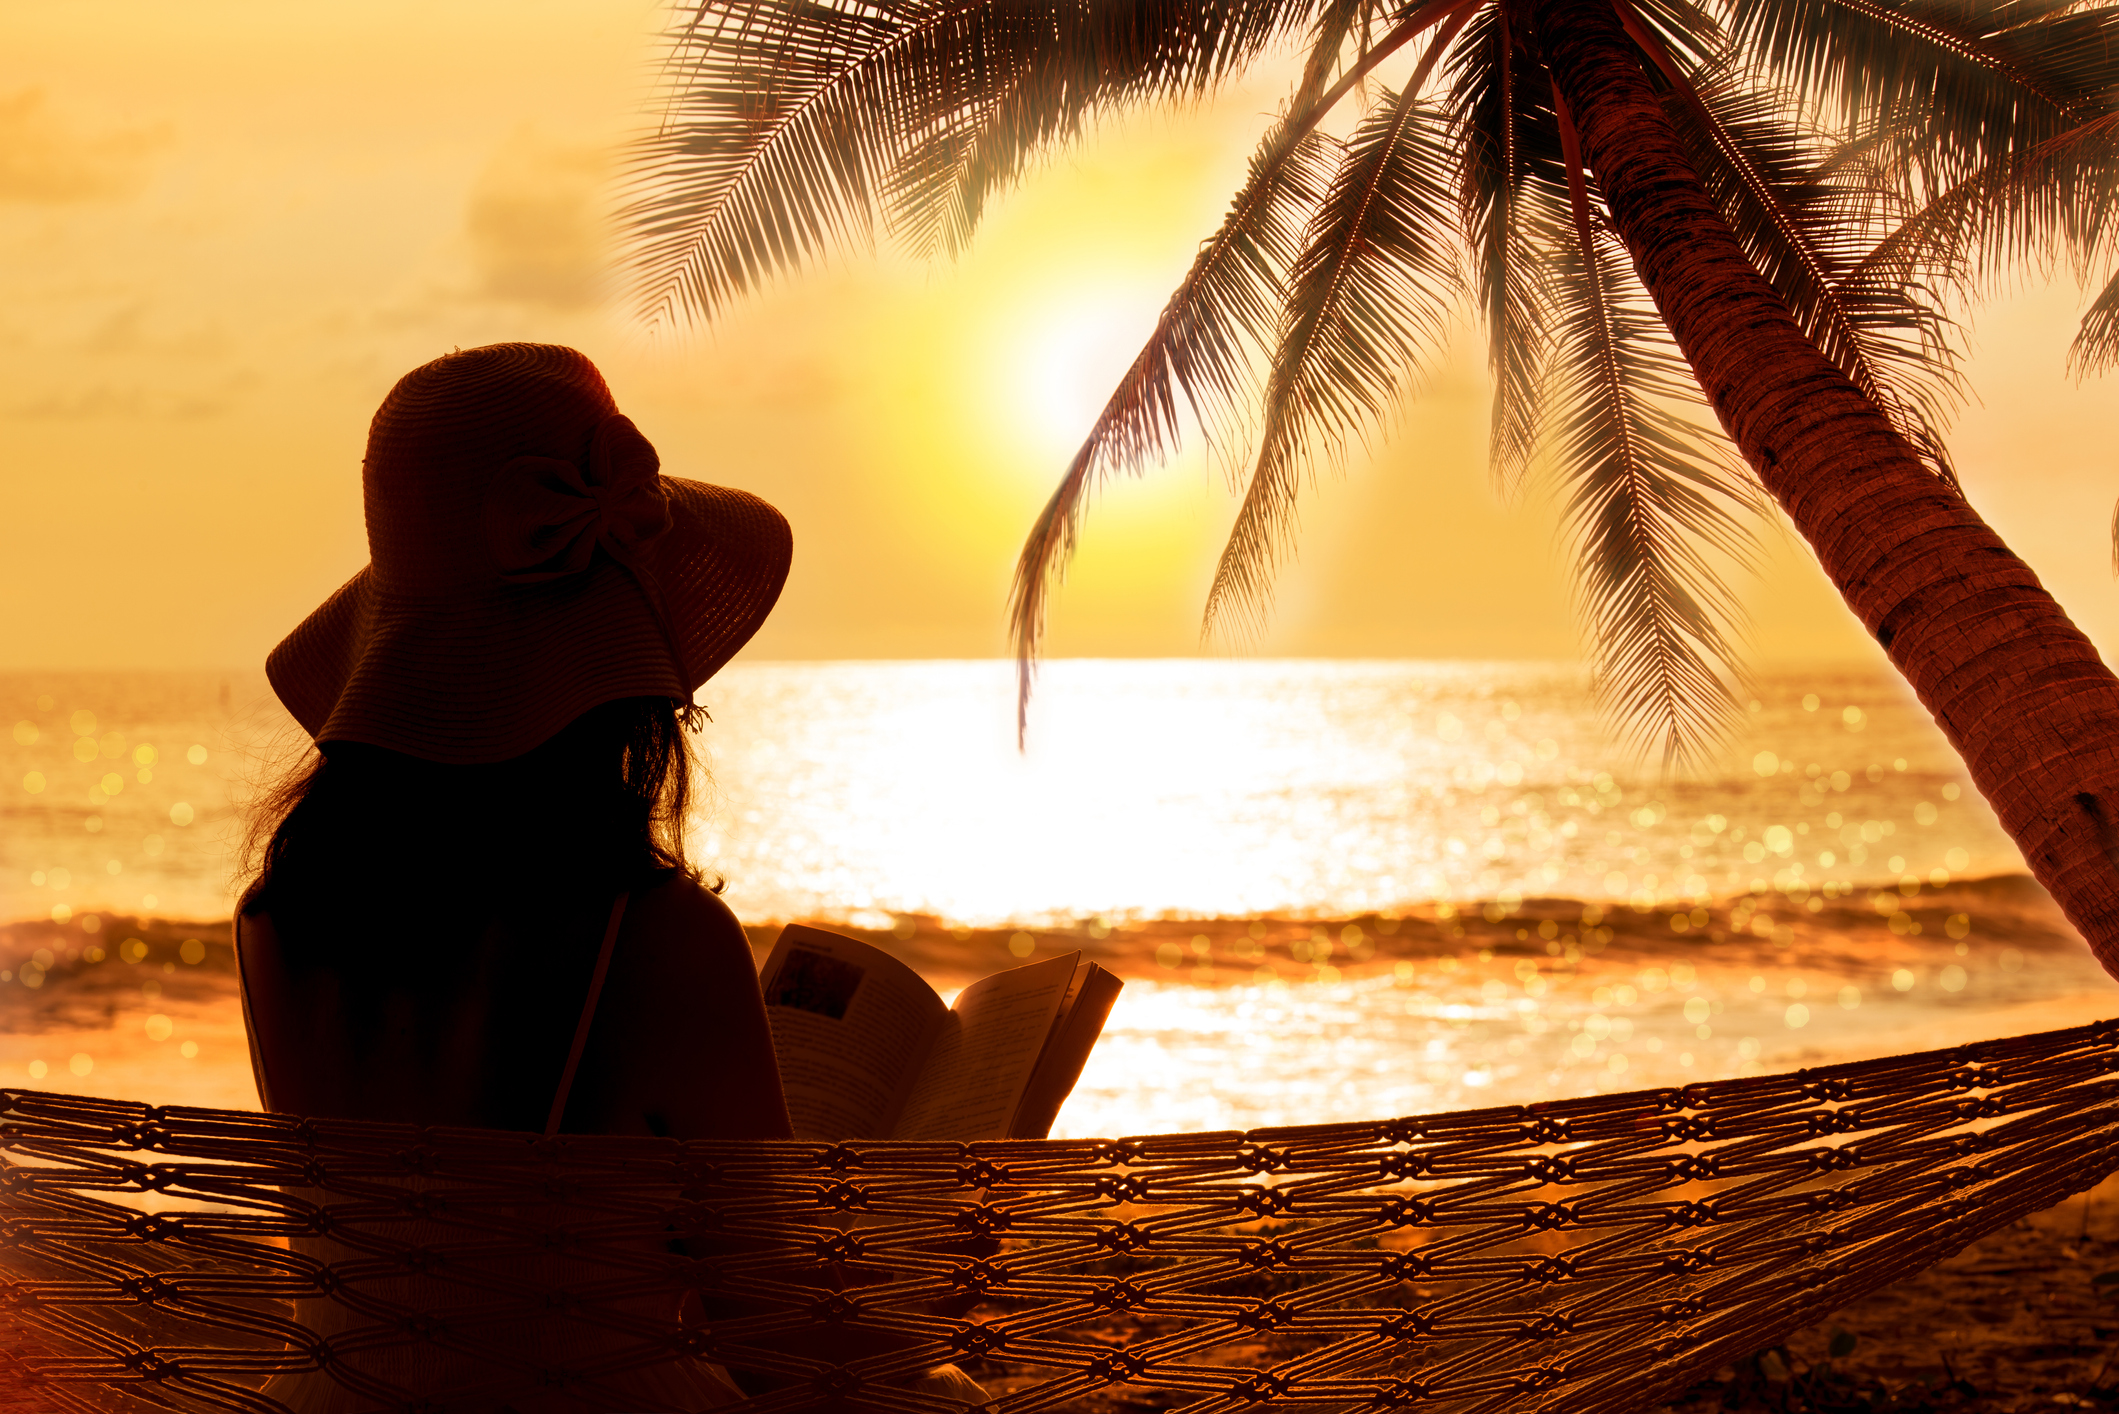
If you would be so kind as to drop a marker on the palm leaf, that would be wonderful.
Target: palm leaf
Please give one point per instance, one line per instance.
(787, 123)
(939, 187)
(1368, 300)
(1806, 215)
(1981, 113)
(2059, 200)
(1198, 352)
(1677, 27)
(1337, 23)
(1959, 83)
(758, 162)
(1650, 496)
(2096, 345)
(1511, 282)
(936, 192)
(1228, 303)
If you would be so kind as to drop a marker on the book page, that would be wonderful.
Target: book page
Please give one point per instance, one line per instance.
(850, 1025)
(983, 1054)
(1075, 1029)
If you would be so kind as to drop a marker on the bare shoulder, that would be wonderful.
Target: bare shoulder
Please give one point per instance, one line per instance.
(690, 1053)
(681, 913)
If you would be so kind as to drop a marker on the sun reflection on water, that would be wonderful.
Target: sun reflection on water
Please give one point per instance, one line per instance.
(1227, 789)
(1586, 929)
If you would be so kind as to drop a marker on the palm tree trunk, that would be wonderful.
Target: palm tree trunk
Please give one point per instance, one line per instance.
(2018, 690)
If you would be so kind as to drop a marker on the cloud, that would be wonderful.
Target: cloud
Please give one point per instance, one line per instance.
(45, 162)
(105, 402)
(127, 331)
(535, 224)
(134, 400)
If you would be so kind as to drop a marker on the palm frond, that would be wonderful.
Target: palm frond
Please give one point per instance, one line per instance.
(1228, 304)
(759, 162)
(1953, 86)
(2061, 200)
(1337, 23)
(786, 124)
(1651, 495)
(936, 192)
(1503, 136)
(2096, 345)
(2115, 540)
(1367, 301)
(1198, 353)
(1681, 28)
(939, 188)
(1807, 217)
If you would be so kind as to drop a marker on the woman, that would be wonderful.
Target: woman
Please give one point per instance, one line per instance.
(474, 908)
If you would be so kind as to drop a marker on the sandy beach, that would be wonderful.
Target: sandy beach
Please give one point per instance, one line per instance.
(2025, 1320)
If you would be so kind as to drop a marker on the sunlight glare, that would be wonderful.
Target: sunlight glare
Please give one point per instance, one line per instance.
(1068, 355)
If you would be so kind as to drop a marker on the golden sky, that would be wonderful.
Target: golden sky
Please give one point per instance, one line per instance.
(227, 226)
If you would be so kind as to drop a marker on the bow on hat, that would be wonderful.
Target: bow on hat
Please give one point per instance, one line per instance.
(545, 518)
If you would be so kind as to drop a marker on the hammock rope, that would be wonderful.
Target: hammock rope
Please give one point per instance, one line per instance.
(1596, 1254)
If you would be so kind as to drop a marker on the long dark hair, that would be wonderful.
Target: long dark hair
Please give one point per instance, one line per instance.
(365, 844)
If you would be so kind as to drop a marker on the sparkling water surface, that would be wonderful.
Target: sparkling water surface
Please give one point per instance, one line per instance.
(1148, 789)
(1216, 791)
(1220, 789)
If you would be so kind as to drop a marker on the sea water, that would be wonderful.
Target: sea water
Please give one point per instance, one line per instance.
(1143, 789)
(1215, 791)
(1221, 789)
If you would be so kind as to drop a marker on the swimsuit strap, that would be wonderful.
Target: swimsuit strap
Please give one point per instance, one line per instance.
(588, 1015)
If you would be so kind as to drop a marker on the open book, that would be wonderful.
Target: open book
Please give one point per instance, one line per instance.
(868, 1051)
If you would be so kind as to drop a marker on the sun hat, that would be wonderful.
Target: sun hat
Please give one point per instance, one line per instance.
(527, 561)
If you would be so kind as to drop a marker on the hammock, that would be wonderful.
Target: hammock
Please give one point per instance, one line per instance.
(1588, 1255)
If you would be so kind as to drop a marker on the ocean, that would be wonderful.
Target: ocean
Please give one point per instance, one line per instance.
(1335, 888)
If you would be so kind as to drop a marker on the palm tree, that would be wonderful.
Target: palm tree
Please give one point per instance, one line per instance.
(2051, 194)
(1659, 207)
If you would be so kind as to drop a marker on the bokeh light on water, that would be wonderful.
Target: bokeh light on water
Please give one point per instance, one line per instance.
(1476, 1027)
(1150, 788)
(1220, 789)
(1764, 907)
(118, 790)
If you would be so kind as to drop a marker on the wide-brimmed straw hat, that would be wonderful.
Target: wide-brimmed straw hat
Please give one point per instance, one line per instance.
(528, 561)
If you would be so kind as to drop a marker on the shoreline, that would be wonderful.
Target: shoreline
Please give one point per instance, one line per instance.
(2009, 907)
(1247, 1022)
(2007, 910)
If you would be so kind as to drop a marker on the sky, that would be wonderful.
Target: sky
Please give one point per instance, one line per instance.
(227, 227)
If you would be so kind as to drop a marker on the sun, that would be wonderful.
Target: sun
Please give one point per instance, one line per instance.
(1065, 354)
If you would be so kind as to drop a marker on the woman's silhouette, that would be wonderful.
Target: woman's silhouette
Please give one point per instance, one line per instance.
(474, 907)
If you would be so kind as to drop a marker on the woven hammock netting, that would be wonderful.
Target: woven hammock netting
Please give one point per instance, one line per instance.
(1585, 1255)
